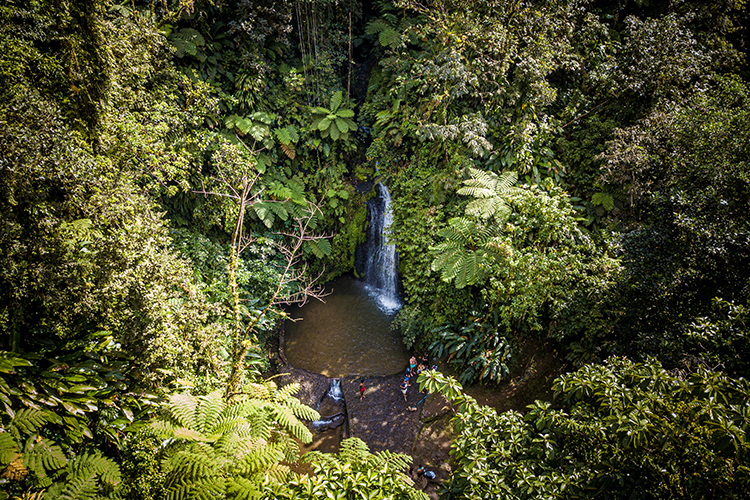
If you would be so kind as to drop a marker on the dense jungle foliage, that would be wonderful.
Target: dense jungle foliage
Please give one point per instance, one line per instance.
(174, 172)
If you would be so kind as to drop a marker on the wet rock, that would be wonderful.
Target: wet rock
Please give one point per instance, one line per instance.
(435, 407)
(330, 406)
(328, 423)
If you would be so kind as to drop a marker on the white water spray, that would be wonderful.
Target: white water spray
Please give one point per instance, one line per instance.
(381, 267)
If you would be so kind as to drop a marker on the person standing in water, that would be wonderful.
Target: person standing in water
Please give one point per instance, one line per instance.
(361, 390)
(404, 389)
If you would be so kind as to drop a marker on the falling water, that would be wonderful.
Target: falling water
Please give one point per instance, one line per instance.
(334, 390)
(331, 407)
(381, 264)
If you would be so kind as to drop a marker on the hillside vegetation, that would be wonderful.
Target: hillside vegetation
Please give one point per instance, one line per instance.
(173, 173)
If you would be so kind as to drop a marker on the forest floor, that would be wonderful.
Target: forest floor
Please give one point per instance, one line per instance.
(382, 419)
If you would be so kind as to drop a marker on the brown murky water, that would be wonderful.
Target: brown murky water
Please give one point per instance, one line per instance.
(349, 334)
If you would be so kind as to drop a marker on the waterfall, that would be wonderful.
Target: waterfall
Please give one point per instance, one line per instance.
(334, 390)
(381, 261)
(332, 408)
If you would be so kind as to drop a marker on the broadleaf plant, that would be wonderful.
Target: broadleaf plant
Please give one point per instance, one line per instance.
(334, 122)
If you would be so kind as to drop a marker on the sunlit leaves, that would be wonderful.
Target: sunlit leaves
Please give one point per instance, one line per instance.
(335, 122)
(625, 428)
(354, 472)
(216, 447)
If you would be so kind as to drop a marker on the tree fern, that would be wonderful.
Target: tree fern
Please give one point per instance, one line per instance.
(491, 192)
(285, 396)
(82, 487)
(230, 446)
(240, 488)
(41, 455)
(28, 421)
(468, 252)
(285, 417)
(87, 476)
(183, 408)
(353, 450)
(211, 406)
(9, 448)
(474, 243)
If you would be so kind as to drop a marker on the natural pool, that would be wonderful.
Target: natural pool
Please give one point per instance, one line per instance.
(349, 334)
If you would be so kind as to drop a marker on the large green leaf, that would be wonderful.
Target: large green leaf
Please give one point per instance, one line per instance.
(335, 134)
(351, 124)
(336, 101)
(324, 124)
(342, 126)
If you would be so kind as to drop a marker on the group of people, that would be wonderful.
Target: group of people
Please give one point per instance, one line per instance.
(413, 370)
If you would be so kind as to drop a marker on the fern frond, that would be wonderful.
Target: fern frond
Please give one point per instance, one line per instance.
(490, 192)
(81, 487)
(9, 449)
(86, 464)
(376, 26)
(318, 457)
(260, 391)
(302, 411)
(289, 446)
(488, 208)
(279, 210)
(286, 392)
(259, 459)
(163, 428)
(204, 489)
(191, 435)
(260, 423)
(231, 425)
(289, 150)
(397, 461)
(279, 472)
(239, 446)
(476, 189)
(469, 269)
(285, 417)
(353, 450)
(41, 455)
(240, 488)
(459, 230)
(447, 260)
(189, 465)
(210, 407)
(285, 396)
(27, 421)
(183, 408)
